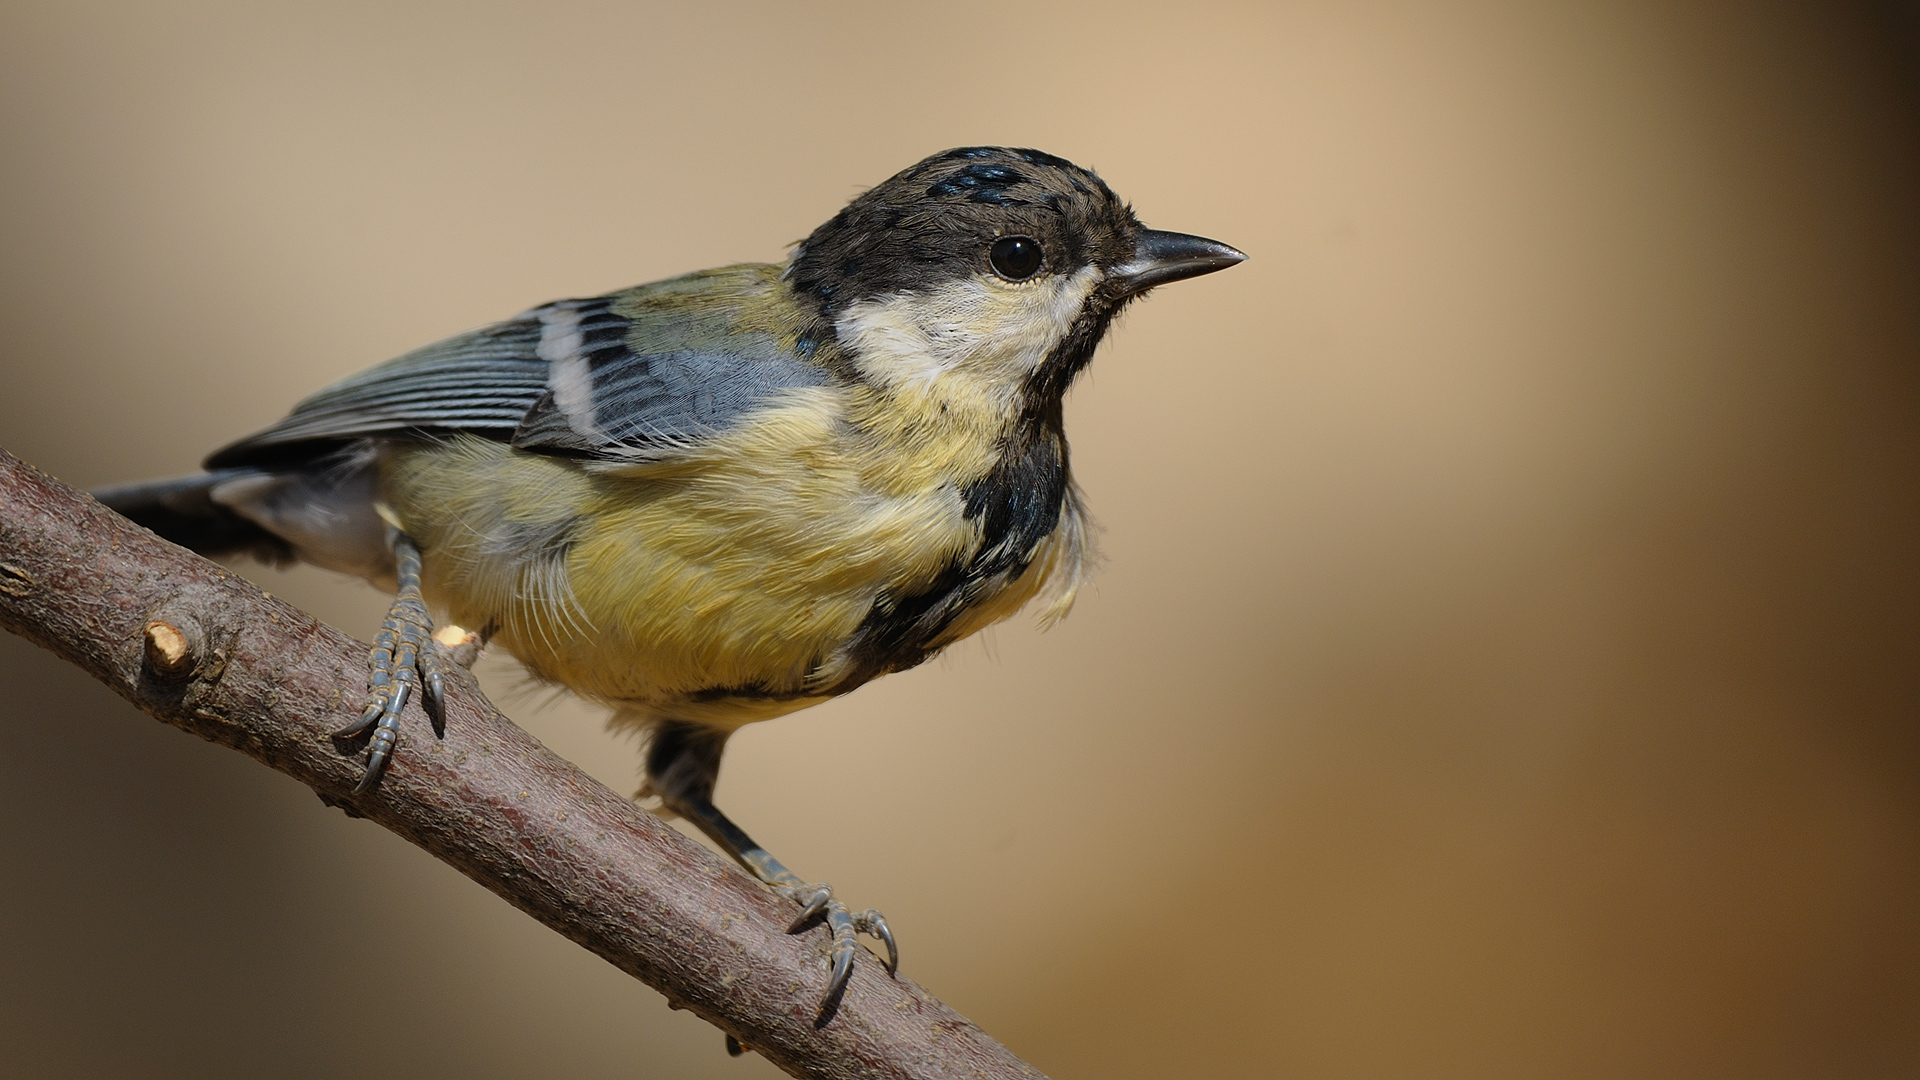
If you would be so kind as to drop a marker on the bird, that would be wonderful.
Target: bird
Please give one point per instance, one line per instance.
(723, 497)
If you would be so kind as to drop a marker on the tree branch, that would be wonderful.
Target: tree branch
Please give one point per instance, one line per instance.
(200, 648)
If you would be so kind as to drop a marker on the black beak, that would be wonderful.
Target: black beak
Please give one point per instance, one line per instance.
(1160, 257)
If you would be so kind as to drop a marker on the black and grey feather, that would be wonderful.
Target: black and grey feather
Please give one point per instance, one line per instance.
(563, 378)
(604, 398)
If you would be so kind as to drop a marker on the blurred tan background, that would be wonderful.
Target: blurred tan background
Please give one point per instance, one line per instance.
(1508, 660)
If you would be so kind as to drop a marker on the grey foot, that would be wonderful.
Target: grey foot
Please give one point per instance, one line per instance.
(816, 901)
(405, 657)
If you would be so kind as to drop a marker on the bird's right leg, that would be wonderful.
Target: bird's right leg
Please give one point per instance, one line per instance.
(683, 763)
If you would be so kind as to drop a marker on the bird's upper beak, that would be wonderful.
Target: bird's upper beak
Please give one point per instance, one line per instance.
(1160, 257)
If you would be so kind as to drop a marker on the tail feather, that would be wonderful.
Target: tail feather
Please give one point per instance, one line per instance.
(182, 510)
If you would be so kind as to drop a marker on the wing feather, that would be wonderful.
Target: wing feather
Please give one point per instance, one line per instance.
(563, 378)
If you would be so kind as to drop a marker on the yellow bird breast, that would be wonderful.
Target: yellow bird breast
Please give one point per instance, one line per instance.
(721, 586)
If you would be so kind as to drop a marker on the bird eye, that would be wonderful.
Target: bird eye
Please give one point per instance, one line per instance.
(1015, 258)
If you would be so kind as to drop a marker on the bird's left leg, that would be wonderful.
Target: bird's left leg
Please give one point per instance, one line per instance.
(405, 657)
(683, 762)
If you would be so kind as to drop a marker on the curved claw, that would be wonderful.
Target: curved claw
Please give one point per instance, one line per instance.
(433, 676)
(814, 903)
(842, 971)
(377, 758)
(434, 699)
(874, 923)
(365, 723)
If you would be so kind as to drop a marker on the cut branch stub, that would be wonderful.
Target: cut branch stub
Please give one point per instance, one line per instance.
(172, 647)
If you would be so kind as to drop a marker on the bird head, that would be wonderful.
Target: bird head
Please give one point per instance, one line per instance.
(1000, 266)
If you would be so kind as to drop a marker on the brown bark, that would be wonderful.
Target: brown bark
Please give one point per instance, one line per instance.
(200, 648)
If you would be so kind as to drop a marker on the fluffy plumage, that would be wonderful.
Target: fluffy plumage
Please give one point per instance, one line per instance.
(723, 497)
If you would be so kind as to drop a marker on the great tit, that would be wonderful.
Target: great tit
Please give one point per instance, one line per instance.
(722, 497)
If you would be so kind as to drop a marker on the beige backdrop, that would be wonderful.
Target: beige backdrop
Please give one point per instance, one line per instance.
(1508, 658)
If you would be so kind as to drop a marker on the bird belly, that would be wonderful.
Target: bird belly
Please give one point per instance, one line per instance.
(718, 587)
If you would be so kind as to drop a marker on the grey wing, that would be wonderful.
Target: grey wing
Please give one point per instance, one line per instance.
(483, 381)
(559, 379)
(604, 399)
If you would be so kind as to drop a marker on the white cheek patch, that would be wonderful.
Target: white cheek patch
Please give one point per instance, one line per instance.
(571, 379)
(983, 328)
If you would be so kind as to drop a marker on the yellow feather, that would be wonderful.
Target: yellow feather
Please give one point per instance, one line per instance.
(748, 560)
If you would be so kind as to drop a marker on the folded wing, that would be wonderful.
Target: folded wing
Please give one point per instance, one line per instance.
(574, 377)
